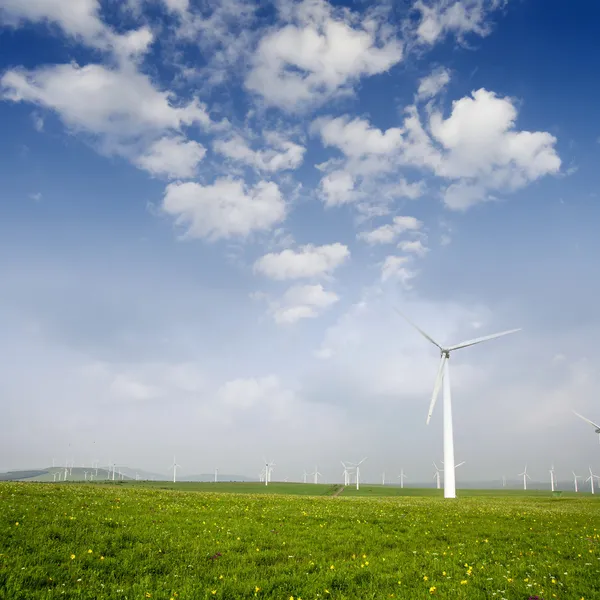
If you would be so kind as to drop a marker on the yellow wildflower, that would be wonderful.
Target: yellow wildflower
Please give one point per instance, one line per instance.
(72, 557)
(463, 582)
(432, 589)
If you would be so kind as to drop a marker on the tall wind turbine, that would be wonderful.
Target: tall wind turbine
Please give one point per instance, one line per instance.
(216, 474)
(525, 477)
(175, 466)
(401, 477)
(591, 479)
(575, 478)
(591, 423)
(305, 476)
(268, 470)
(443, 376)
(357, 469)
(346, 473)
(436, 476)
(316, 475)
(552, 480)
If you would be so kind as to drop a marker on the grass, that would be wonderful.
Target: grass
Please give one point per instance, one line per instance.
(135, 541)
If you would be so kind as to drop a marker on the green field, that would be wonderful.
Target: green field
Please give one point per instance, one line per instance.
(140, 541)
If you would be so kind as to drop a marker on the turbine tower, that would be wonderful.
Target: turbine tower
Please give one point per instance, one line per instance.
(591, 479)
(216, 474)
(401, 477)
(436, 476)
(356, 467)
(591, 423)
(525, 477)
(268, 470)
(443, 376)
(575, 478)
(346, 473)
(552, 480)
(174, 466)
(316, 475)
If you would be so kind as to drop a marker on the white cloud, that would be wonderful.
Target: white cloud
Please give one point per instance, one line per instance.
(120, 109)
(433, 84)
(337, 188)
(172, 156)
(227, 208)
(252, 393)
(386, 234)
(127, 387)
(458, 17)
(475, 152)
(415, 247)
(357, 137)
(483, 151)
(100, 100)
(282, 155)
(80, 20)
(37, 196)
(302, 302)
(318, 56)
(308, 261)
(395, 267)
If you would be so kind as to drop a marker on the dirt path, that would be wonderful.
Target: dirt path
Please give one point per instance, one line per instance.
(338, 491)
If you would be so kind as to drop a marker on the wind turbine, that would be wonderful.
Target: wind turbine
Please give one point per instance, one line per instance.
(443, 376)
(575, 478)
(591, 479)
(401, 478)
(85, 475)
(525, 477)
(357, 468)
(383, 478)
(316, 474)
(216, 474)
(591, 423)
(268, 469)
(552, 480)
(503, 480)
(436, 476)
(174, 466)
(347, 469)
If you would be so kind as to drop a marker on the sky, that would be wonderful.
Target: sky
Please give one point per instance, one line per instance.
(209, 211)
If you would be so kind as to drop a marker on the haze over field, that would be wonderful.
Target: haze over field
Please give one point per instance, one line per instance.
(209, 211)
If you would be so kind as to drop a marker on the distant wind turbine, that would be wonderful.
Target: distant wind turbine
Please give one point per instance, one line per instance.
(216, 474)
(591, 423)
(591, 479)
(525, 477)
(268, 470)
(443, 376)
(401, 477)
(347, 470)
(383, 478)
(175, 466)
(436, 476)
(356, 467)
(575, 478)
(552, 480)
(316, 475)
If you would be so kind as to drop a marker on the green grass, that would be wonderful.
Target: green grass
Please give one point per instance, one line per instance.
(133, 542)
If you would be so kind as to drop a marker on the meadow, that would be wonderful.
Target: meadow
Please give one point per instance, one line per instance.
(137, 541)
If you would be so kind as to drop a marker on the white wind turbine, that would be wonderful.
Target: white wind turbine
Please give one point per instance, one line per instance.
(268, 470)
(347, 469)
(552, 479)
(591, 479)
(525, 477)
(436, 476)
(175, 466)
(216, 474)
(575, 478)
(316, 475)
(305, 476)
(591, 423)
(85, 475)
(383, 478)
(443, 376)
(401, 477)
(357, 469)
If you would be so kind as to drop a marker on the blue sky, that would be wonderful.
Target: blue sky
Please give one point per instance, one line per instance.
(209, 211)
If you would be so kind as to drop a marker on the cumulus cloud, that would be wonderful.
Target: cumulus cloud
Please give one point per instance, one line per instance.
(458, 17)
(255, 392)
(433, 84)
(386, 234)
(415, 247)
(173, 157)
(396, 268)
(318, 55)
(121, 108)
(227, 208)
(279, 155)
(476, 151)
(302, 302)
(306, 262)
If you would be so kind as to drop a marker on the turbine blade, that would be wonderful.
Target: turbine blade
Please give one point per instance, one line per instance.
(427, 337)
(460, 463)
(482, 339)
(587, 420)
(436, 388)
